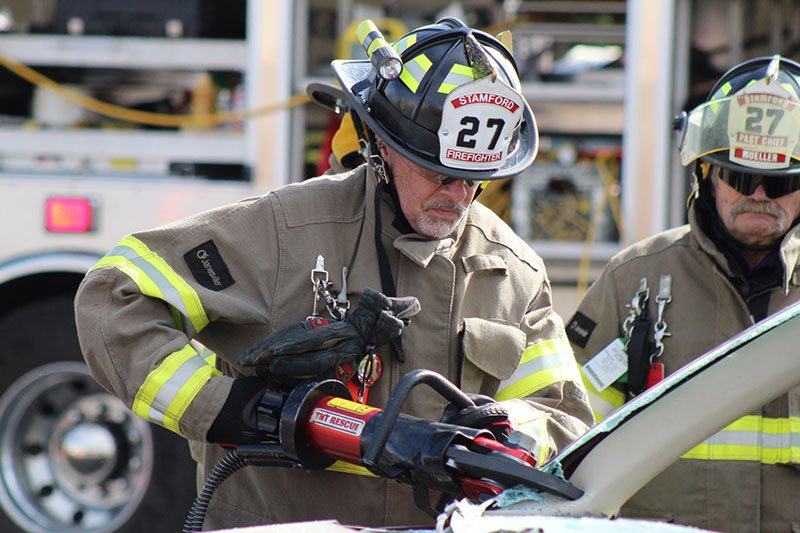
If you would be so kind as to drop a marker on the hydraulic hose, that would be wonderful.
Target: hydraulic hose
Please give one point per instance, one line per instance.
(225, 468)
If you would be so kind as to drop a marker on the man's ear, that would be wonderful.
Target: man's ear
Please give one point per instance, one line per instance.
(711, 176)
(382, 148)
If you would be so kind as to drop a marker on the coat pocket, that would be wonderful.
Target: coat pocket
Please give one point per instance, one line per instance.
(484, 262)
(492, 350)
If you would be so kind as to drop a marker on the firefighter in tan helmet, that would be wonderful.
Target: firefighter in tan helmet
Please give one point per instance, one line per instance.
(672, 297)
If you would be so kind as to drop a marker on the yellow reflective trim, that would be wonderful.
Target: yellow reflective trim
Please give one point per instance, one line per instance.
(463, 70)
(537, 429)
(349, 468)
(402, 44)
(542, 453)
(423, 61)
(187, 294)
(458, 76)
(158, 377)
(209, 356)
(420, 65)
(163, 373)
(409, 80)
(376, 43)
(603, 402)
(790, 89)
(726, 88)
(364, 29)
(190, 298)
(723, 452)
(187, 393)
(545, 347)
(532, 423)
(141, 279)
(778, 441)
(177, 317)
(566, 371)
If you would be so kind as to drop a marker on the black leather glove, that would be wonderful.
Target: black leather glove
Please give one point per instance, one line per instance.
(237, 422)
(307, 350)
(487, 414)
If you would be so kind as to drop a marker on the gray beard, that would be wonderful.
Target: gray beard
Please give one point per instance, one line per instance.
(436, 228)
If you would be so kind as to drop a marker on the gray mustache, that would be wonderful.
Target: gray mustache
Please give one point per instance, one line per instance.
(759, 208)
(443, 204)
(755, 207)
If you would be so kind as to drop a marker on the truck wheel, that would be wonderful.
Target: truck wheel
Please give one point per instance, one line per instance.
(74, 458)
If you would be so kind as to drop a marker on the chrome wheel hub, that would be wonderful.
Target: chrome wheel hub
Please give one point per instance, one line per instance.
(74, 458)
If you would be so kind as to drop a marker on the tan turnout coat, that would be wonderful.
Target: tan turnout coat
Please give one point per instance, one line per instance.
(486, 323)
(745, 478)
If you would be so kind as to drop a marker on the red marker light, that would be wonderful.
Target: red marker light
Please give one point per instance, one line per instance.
(68, 215)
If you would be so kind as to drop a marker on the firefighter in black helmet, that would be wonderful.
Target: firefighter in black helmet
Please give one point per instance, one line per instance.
(731, 266)
(455, 109)
(438, 112)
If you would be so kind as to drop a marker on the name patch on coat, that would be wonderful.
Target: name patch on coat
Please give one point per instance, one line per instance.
(208, 268)
(580, 329)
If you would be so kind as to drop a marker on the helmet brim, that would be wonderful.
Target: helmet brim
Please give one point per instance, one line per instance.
(354, 78)
(327, 96)
(715, 130)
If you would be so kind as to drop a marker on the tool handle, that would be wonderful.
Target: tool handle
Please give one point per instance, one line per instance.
(392, 410)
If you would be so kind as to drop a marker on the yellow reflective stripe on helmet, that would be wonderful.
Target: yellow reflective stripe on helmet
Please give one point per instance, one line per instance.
(414, 70)
(753, 438)
(543, 363)
(402, 44)
(603, 402)
(348, 468)
(790, 89)
(171, 387)
(458, 76)
(155, 278)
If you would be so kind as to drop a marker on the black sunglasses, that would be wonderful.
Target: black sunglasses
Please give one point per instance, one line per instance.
(774, 186)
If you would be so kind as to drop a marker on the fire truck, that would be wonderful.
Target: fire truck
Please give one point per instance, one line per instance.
(95, 143)
(73, 182)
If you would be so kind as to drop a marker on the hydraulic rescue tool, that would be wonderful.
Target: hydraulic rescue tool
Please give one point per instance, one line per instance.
(316, 423)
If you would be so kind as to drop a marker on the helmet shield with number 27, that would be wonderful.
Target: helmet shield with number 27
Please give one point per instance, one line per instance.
(751, 121)
(456, 108)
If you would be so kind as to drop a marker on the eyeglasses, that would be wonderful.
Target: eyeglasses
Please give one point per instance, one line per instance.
(447, 181)
(774, 186)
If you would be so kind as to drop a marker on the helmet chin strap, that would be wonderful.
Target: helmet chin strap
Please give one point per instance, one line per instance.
(388, 287)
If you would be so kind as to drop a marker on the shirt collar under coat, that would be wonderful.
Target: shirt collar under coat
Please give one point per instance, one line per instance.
(414, 246)
(789, 250)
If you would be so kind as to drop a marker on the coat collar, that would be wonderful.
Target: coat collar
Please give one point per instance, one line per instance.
(789, 250)
(414, 246)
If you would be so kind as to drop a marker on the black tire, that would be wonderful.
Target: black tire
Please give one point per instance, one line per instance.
(44, 382)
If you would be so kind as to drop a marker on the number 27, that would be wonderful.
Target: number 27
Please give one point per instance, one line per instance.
(756, 115)
(472, 125)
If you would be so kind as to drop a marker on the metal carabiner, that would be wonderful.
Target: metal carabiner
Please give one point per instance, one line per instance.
(636, 307)
(318, 274)
(660, 327)
(342, 303)
(319, 280)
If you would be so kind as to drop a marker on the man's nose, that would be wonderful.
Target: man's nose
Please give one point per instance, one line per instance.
(457, 190)
(759, 194)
